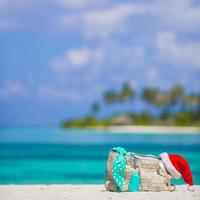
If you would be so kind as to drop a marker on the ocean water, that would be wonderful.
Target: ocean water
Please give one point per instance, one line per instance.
(57, 156)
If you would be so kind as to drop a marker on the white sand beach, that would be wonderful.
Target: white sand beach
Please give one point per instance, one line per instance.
(150, 129)
(88, 192)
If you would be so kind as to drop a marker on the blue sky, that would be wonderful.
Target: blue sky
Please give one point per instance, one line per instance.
(58, 56)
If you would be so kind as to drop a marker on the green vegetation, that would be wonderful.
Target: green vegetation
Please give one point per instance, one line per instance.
(171, 107)
(126, 93)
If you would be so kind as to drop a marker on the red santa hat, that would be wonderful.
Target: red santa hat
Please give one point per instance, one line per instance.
(177, 166)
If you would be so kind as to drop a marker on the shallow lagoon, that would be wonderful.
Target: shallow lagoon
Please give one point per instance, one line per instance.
(53, 155)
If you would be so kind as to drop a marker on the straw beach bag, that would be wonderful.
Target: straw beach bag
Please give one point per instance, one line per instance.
(153, 176)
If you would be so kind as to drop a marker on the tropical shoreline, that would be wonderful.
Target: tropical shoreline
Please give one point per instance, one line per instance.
(89, 192)
(148, 129)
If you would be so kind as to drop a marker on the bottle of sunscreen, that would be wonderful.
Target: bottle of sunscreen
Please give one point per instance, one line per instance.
(134, 182)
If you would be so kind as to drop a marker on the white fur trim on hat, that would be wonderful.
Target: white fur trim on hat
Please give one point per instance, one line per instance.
(169, 166)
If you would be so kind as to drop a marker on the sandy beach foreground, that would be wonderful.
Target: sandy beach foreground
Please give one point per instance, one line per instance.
(88, 192)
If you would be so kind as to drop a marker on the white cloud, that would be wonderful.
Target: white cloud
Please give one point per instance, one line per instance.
(76, 58)
(110, 64)
(114, 33)
(103, 22)
(11, 12)
(108, 55)
(178, 15)
(171, 50)
(95, 18)
(13, 88)
(99, 18)
(80, 57)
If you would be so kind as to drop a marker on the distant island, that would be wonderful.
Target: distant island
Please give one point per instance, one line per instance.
(172, 107)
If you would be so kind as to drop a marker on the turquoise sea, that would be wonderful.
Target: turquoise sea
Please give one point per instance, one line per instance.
(57, 156)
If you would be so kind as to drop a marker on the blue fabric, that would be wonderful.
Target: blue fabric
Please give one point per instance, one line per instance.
(119, 166)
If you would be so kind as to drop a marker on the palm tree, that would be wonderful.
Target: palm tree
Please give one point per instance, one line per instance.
(157, 98)
(150, 95)
(192, 100)
(163, 98)
(110, 97)
(126, 93)
(176, 94)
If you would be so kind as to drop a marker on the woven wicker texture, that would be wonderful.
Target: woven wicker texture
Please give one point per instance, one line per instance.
(153, 176)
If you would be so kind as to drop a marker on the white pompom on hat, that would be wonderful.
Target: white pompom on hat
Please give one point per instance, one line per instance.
(169, 166)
